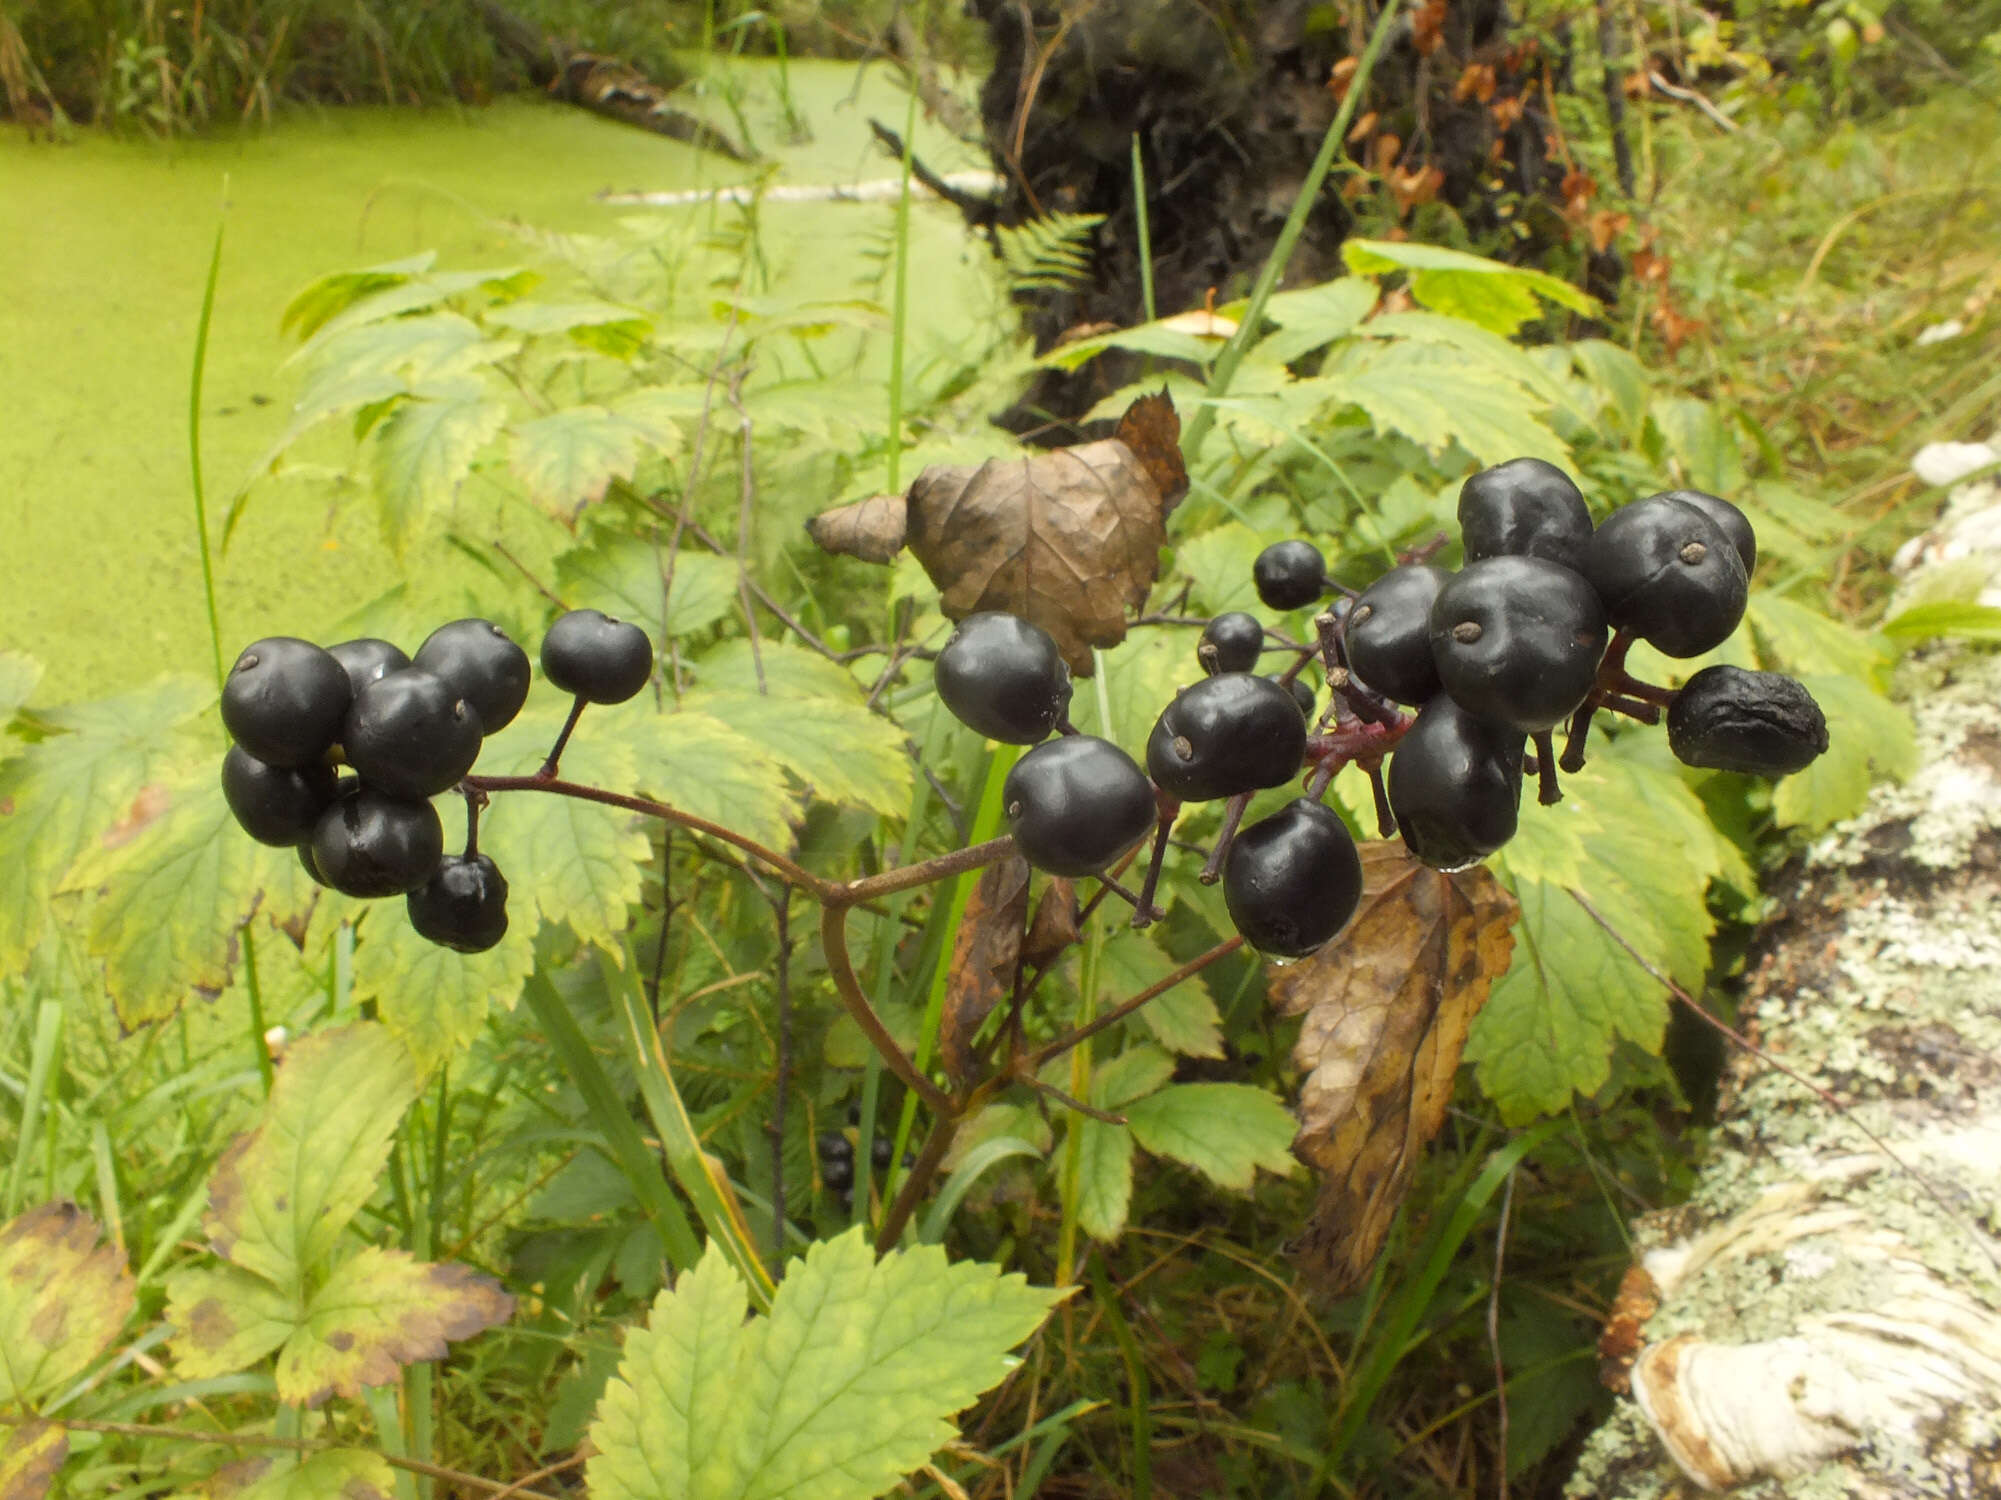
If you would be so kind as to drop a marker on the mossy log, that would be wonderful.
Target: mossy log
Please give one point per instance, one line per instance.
(1822, 1320)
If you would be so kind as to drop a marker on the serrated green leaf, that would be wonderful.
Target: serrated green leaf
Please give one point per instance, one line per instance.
(702, 766)
(1962, 619)
(1869, 738)
(1183, 1020)
(1104, 1177)
(1225, 1131)
(412, 294)
(840, 750)
(379, 1311)
(62, 793)
(1217, 562)
(225, 1319)
(658, 1422)
(568, 459)
(422, 348)
(63, 1299)
(1616, 374)
(1473, 345)
(1792, 638)
(603, 327)
(1433, 396)
(1548, 1026)
(281, 1196)
(1698, 440)
(1314, 316)
(1132, 1074)
(34, 1451)
(1158, 339)
(319, 300)
(425, 448)
(435, 1000)
(621, 576)
(1495, 296)
(333, 1474)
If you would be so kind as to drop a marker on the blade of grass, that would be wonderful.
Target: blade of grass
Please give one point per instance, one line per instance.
(1138, 1392)
(899, 305)
(1145, 233)
(982, 1159)
(49, 1018)
(194, 445)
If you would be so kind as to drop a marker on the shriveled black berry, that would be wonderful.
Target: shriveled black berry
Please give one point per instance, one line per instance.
(1388, 633)
(463, 906)
(411, 735)
(372, 844)
(1668, 574)
(1524, 508)
(1003, 677)
(477, 660)
(1517, 640)
(1234, 732)
(1293, 880)
(592, 656)
(367, 660)
(1731, 521)
(1289, 574)
(1076, 803)
(1239, 638)
(1730, 719)
(276, 805)
(1455, 785)
(834, 1146)
(284, 700)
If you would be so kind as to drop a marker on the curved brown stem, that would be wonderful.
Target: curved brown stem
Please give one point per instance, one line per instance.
(834, 939)
(936, 1144)
(907, 877)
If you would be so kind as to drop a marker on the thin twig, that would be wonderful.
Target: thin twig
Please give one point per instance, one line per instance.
(1494, 1334)
(781, 912)
(533, 582)
(1691, 96)
(1117, 1014)
(747, 490)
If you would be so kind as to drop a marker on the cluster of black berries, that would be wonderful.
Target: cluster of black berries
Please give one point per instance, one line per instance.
(1532, 632)
(836, 1150)
(406, 728)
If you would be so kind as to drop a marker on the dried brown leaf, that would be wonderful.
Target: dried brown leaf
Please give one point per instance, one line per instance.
(30, 1453)
(871, 529)
(985, 959)
(1054, 925)
(1152, 428)
(1387, 1009)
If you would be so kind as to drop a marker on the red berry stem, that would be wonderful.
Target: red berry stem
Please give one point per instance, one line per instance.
(475, 800)
(1169, 808)
(1233, 815)
(1386, 820)
(1548, 792)
(548, 771)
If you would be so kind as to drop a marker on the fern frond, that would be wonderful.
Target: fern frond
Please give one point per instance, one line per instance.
(1050, 253)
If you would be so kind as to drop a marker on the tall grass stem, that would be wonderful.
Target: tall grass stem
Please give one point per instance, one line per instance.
(194, 443)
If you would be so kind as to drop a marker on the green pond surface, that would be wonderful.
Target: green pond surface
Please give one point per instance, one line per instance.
(104, 244)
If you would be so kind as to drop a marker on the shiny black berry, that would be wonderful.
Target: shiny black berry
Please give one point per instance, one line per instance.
(1455, 785)
(589, 655)
(1669, 574)
(1289, 575)
(1293, 880)
(1234, 732)
(284, 700)
(478, 661)
(411, 735)
(367, 660)
(1388, 633)
(276, 805)
(463, 906)
(1302, 694)
(1075, 804)
(1729, 520)
(1002, 676)
(881, 1151)
(1517, 640)
(372, 844)
(1238, 637)
(838, 1175)
(1524, 508)
(833, 1146)
(1730, 719)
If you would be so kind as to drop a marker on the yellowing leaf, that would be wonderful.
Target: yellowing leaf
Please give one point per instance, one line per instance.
(621, 576)
(63, 1299)
(702, 766)
(569, 458)
(336, 1474)
(1495, 296)
(379, 1311)
(34, 1450)
(1435, 396)
(425, 448)
(434, 999)
(225, 1320)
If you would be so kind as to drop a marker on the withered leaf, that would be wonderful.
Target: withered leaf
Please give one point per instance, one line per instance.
(1069, 539)
(985, 959)
(30, 1454)
(1387, 1010)
(1053, 928)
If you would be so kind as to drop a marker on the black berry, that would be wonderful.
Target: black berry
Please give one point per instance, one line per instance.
(478, 662)
(1668, 574)
(838, 1175)
(833, 1146)
(463, 906)
(1234, 732)
(1238, 638)
(1729, 520)
(1455, 785)
(589, 655)
(1302, 694)
(881, 1151)
(1517, 640)
(1388, 633)
(411, 735)
(275, 805)
(1003, 677)
(1729, 719)
(372, 844)
(1289, 574)
(1076, 803)
(1524, 508)
(1293, 880)
(284, 700)
(367, 660)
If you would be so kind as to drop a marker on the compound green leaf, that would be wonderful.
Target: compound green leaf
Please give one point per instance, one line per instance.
(1472, 344)
(412, 291)
(322, 298)
(1225, 1131)
(434, 999)
(1132, 1074)
(701, 765)
(424, 348)
(603, 327)
(63, 1299)
(569, 458)
(837, 748)
(1104, 1177)
(1495, 296)
(334, 1474)
(226, 1319)
(425, 447)
(1869, 738)
(621, 576)
(34, 1451)
(1184, 1019)
(379, 1311)
(658, 1420)
(1218, 563)
(282, 1195)
(1792, 638)
(61, 793)
(1699, 441)
(1432, 395)
(1314, 316)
